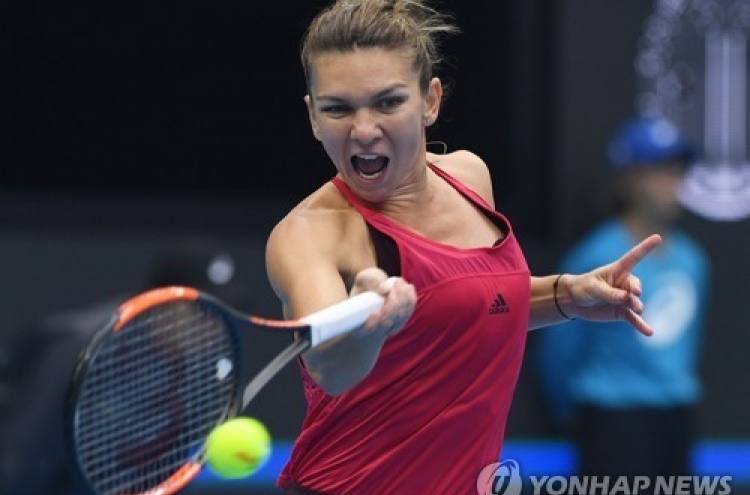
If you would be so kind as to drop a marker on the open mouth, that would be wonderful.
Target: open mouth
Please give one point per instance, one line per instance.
(369, 167)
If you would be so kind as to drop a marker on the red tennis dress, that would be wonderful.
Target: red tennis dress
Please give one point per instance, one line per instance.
(432, 412)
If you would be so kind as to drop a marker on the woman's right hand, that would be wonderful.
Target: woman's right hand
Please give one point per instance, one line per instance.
(400, 300)
(343, 362)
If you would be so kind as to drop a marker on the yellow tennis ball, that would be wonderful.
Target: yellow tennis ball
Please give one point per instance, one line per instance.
(238, 447)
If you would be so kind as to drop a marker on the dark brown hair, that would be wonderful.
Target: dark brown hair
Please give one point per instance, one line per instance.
(391, 24)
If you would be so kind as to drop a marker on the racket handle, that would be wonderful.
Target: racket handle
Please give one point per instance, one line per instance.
(342, 317)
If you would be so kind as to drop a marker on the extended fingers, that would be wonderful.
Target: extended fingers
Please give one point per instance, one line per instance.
(627, 261)
(626, 296)
(635, 304)
(637, 321)
(632, 311)
(633, 285)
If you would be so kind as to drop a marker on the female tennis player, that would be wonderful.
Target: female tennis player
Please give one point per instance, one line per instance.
(415, 401)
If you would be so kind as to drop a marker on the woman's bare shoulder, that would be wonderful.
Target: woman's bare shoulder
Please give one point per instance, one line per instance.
(468, 168)
(308, 251)
(318, 217)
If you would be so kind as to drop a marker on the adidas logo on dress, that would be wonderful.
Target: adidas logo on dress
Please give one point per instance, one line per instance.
(499, 306)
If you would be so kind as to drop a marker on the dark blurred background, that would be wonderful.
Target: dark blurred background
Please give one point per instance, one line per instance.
(131, 130)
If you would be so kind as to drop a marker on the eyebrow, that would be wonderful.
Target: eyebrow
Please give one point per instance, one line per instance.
(380, 94)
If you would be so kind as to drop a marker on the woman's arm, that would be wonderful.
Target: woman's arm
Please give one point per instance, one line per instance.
(544, 310)
(608, 293)
(340, 365)
(303, 268)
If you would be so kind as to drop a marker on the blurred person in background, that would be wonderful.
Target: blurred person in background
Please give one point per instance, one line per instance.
(628, 400)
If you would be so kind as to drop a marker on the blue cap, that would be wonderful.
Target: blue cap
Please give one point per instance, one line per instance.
(648, 142)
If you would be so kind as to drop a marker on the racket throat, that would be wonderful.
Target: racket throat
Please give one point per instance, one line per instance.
(271, 369)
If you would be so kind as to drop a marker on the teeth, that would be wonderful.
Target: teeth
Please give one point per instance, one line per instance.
(365, 169)
(370, 176)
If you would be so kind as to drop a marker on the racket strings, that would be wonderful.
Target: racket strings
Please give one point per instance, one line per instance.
(153, 391)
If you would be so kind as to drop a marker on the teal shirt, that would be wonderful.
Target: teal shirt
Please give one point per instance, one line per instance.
(612, 364)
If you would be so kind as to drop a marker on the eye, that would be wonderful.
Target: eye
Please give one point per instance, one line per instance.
(390, 103)
(335, 110)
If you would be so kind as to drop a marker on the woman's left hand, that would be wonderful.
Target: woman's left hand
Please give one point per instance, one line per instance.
(610, 292)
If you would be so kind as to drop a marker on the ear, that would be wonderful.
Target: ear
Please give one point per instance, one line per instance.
(432, 101)
(311, 115)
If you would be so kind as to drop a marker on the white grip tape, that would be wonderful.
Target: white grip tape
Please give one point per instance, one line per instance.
(342, 317)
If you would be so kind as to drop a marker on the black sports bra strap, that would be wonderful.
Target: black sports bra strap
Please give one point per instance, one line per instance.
(386, 252)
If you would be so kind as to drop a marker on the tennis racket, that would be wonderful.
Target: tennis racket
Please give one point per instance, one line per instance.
(167, 368)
